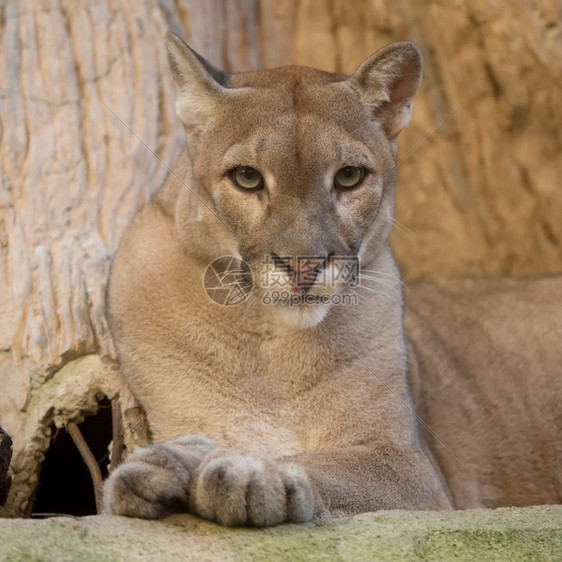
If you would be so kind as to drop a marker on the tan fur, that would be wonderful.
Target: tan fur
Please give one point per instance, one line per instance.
(308, 407)
(487, 378)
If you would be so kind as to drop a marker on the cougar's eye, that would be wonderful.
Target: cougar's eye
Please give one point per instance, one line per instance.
(348, 177)
(246, 177)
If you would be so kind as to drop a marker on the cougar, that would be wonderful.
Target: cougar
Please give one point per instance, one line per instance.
(305, 397)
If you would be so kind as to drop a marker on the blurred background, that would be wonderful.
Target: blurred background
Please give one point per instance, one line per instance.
(88, 131)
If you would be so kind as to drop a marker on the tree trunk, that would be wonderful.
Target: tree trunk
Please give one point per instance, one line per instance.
(88, 131)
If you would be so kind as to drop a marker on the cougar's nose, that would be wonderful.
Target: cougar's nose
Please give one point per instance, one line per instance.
(302, 272)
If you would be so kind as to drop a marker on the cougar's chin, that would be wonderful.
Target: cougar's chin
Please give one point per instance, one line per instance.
(303, 316)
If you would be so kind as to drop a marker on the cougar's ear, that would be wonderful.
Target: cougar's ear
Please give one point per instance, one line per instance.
(201, 85)
(387, 81)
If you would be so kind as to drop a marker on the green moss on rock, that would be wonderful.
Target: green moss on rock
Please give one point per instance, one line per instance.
(505, 534)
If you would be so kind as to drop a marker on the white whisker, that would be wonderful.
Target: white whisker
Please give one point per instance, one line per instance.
(392, 276)
(384, 282)
(358, 295)
(371, 290)
(402, 227)
(380, 293)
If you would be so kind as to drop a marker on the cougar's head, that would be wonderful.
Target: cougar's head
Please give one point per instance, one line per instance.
(292, 169)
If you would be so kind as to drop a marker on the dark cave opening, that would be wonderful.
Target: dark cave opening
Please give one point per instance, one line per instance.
(65, 485)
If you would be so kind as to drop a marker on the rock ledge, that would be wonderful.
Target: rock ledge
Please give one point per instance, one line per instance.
(533, 533)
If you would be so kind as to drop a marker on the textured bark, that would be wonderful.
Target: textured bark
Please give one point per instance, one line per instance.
(87, 132)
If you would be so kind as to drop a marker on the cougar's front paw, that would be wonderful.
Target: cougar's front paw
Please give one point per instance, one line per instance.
(234, 489)
(154, 480)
